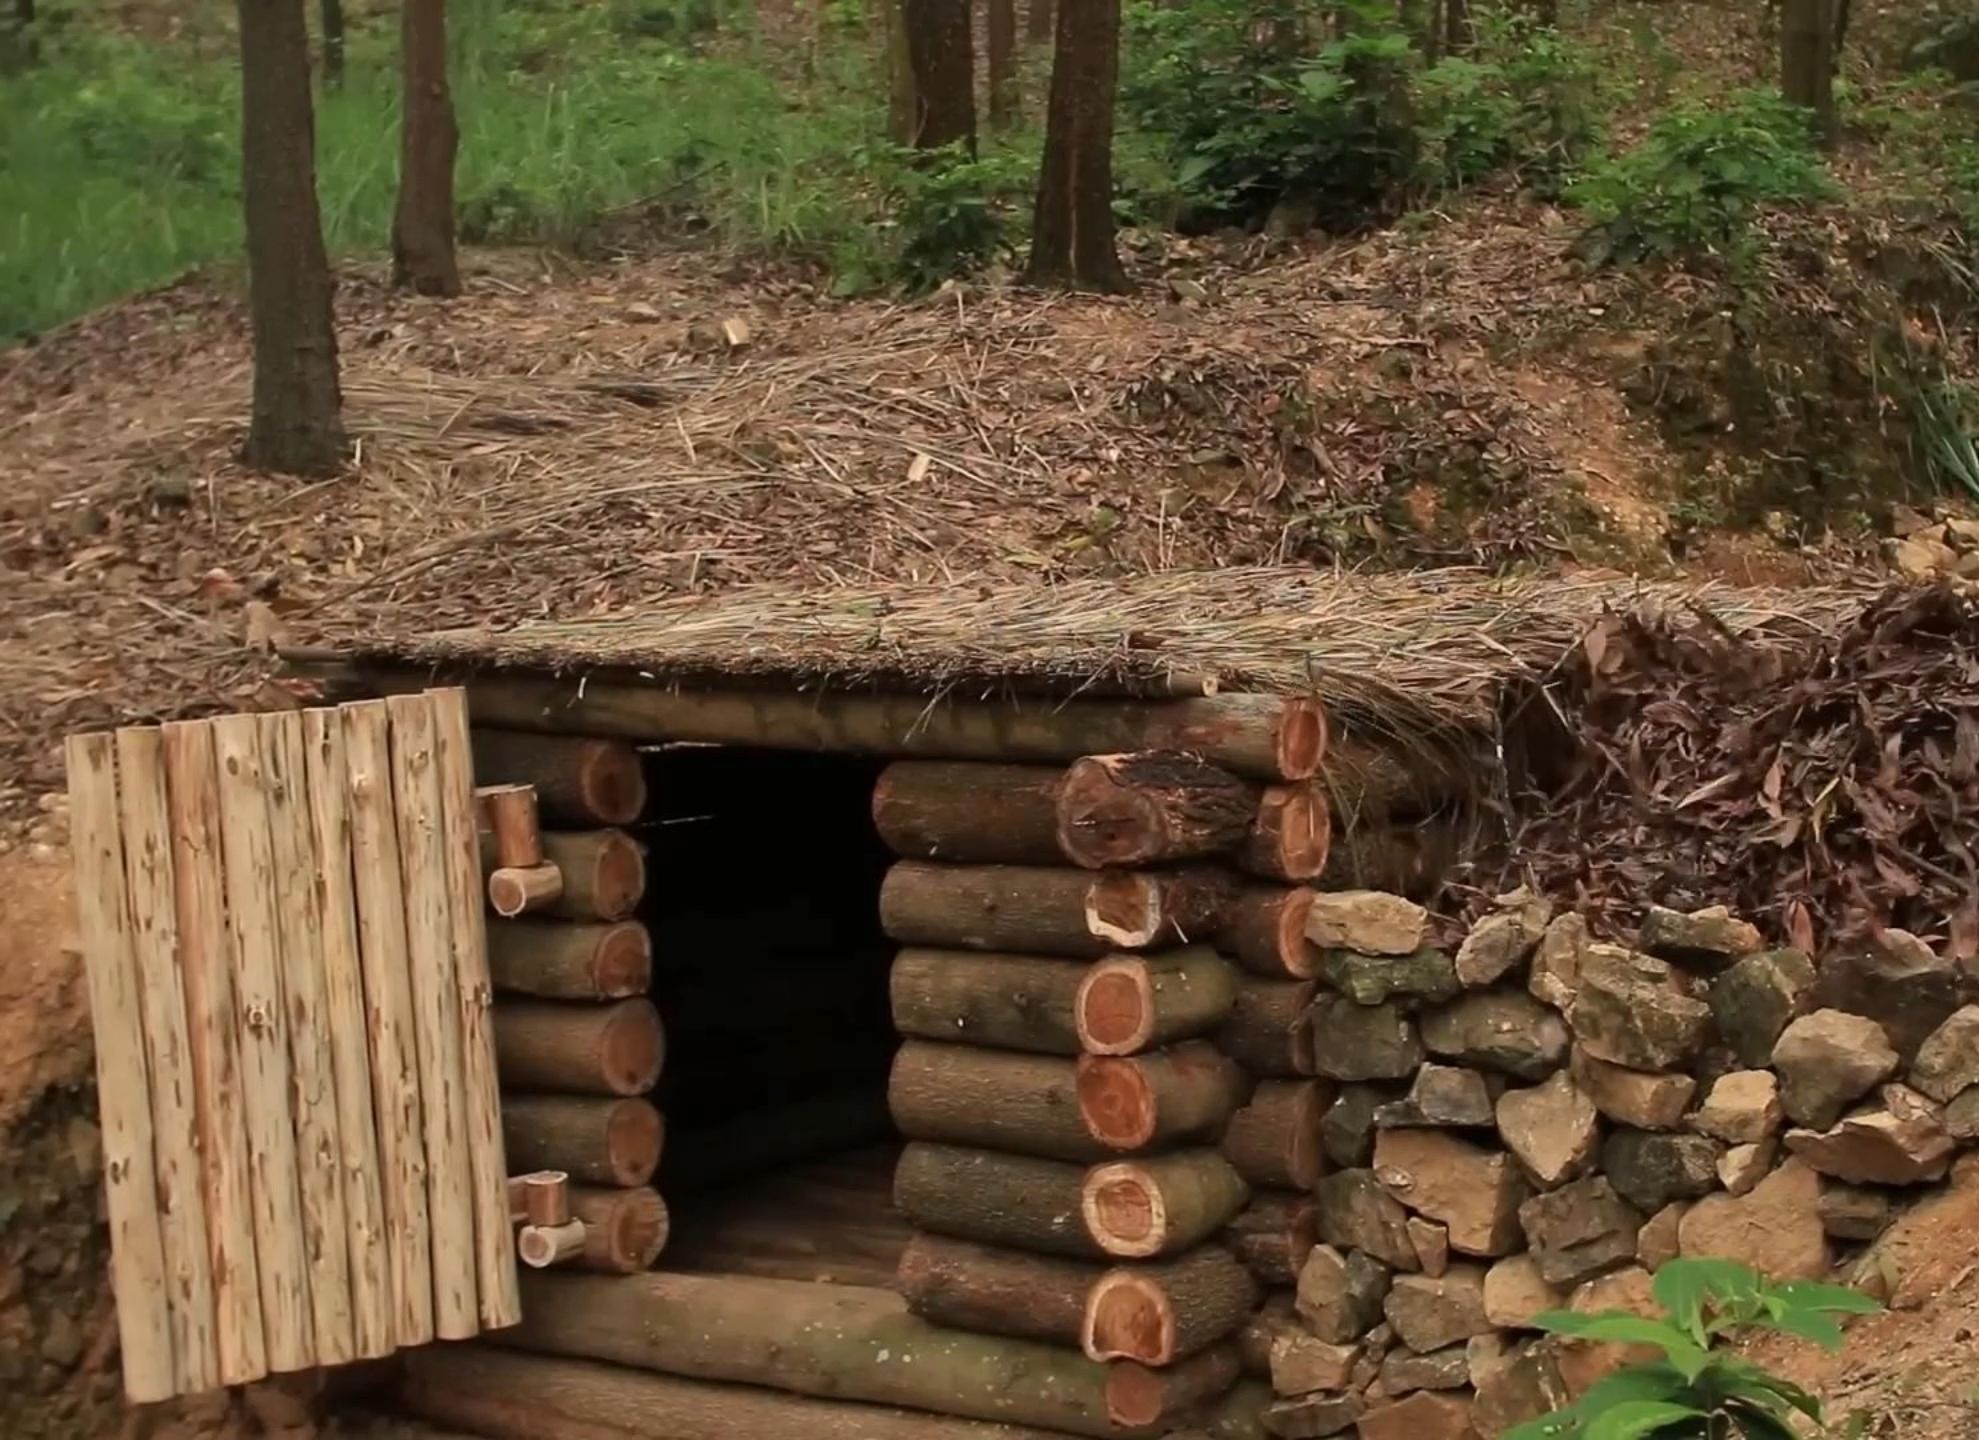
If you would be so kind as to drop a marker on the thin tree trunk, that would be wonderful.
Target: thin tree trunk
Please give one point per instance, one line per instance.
(423, 226)
(1807, 76)
(333, 42)
(899, 66)
(1003, 95)
(1039, 21)
(1458, 30)
(942, 46)
(297, 427)
(1072, 237)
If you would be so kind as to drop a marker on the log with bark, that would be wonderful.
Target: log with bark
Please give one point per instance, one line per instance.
(579, 1049)
(1164, 1312)
(1404, 859)
(1273, 1235)
(1129, 1003)
(993, 1291)
(1021, 909)
(1370, 783)
(996, 1199)
(597, 1142)
(1009, 1002)
(1274, 1139)
(554, 961)
(978, 813)
(1269, 1030)
(580, 783)
(624, 1230)
(1139, 909)
(1133, 1103)
(604, 873)
(996, 1099)
(515, 891)
(1290, 835)
(511, 827)
(1138, 1209)
(1150, 808)
(1264, 931)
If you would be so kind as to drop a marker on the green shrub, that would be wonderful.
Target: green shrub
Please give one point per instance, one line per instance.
(1700, 1390)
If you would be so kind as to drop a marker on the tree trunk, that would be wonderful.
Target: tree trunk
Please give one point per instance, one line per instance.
(1139, 909)
(570, 962)
(1274, 1140)
(956, 1094)
(942, 46)
(1009, 1002)
(1266, 933)
(1016, 908)
(297, 426)
(1130, 1003)
(423, 224)
(580, 783)
(1158, 1314)
(333, 43)
(984, 814)
(1150, 808)
(1174, 1096)
(1807, 76)
(1459, 31)
(899, 72)
(595, 1142)
(995, 1292)
(1290, 835)
(604, 873)
(1039, 19)
(1273, 1235)
(1138, 1209)
(1269, 1031)
(579, 1049)
(1072, 235)
(1003, 96)
(1009, 1200)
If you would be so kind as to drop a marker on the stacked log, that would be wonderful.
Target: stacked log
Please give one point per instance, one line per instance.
(578, 1042)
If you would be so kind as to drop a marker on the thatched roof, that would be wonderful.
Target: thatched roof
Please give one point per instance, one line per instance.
(1422, 646)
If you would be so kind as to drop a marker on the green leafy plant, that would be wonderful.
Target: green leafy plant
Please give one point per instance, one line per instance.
(1700, 1390)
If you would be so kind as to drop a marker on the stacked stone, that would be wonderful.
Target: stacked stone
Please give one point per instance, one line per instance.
(1537, 1121)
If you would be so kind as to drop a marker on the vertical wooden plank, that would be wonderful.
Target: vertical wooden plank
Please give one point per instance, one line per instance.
(319, 1152)
(381, 936)
(206, 972)
(253, 932)
(435, 1012)
(494, 1241)
(357, 1135)
(174, 1118)
(137, 1254)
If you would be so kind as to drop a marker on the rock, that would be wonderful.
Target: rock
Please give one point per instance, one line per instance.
(1368, 921)
(1776, 1229)
(1854, 1212)
(1899, 982)
(1641, 1099)
(1515, 1293)
(1555, 973)
(1346, 1130)
(1275, 1317)
(1827, 1061)
(1525, 1386)
(1425, 1415)
(1962, 1116)
(1485, 1353)
(1302, 1363)
(1649, 1169)
(1363, 1042)
(1580, 1230)
(1502, 1030)
(1429, 1314)
(1902, 1141)
(1475, 1192)
(1743, 1108)
(1501, 942)
(1357, 1213)
(1340, 1294)
(1755, 1000)
(1744, 1166)
(1312, 1417)
(1921, 557)
(1656, 1244)
(1552, 1127)
(1632, 1011)
(1424, 975)
(61, 1340)
(1709, 940)
(1404, 1371)
(1441, 1095)
(1631, 1291)
(1432, 1242)
(1947, 1062)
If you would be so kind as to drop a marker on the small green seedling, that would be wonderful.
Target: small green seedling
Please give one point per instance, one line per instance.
(1700, 1390)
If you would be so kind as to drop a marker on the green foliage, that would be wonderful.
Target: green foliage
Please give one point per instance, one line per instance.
(1694, 183)
(1700, 1390)
(952, 213)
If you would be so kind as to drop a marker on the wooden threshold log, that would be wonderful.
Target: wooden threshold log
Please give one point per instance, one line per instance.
(1184, 1094)
(1269, 1029)
(1140, 909)
(1264, 931)
(579, 782)
(1020, 909)
(1265, 737)
(1273, 1140)
(993, 1291)
(541, 1246)
(579, 1049)
(1161, 1313)
(1150, 808)
(1291, 833)
(556, 961)
(507, 815)
(598, 1142)
(525, 890)
(624, 1230)
(1273, 1235)
(975, 813)
(1009, 1002)
(604, 873)
(850, 1342)
(996, 1099)
(996, 1199)
(1162, 1205)
(1129, 1003)
(507, 1395)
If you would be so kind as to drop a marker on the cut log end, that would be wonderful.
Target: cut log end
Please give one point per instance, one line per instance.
(634, 1136)
(1293, 835)
(1116, 1102)
(1302, 739)
(514, 890)
(618, 876)
(546, 1198)
(1115, 1008)
(1128, 1317)
(541, 1246)
(1149, 807)
(1123, 907)
(612, 781)
(624, 960)
(1125, 1211)
(624, 1230)
(634, 1048)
